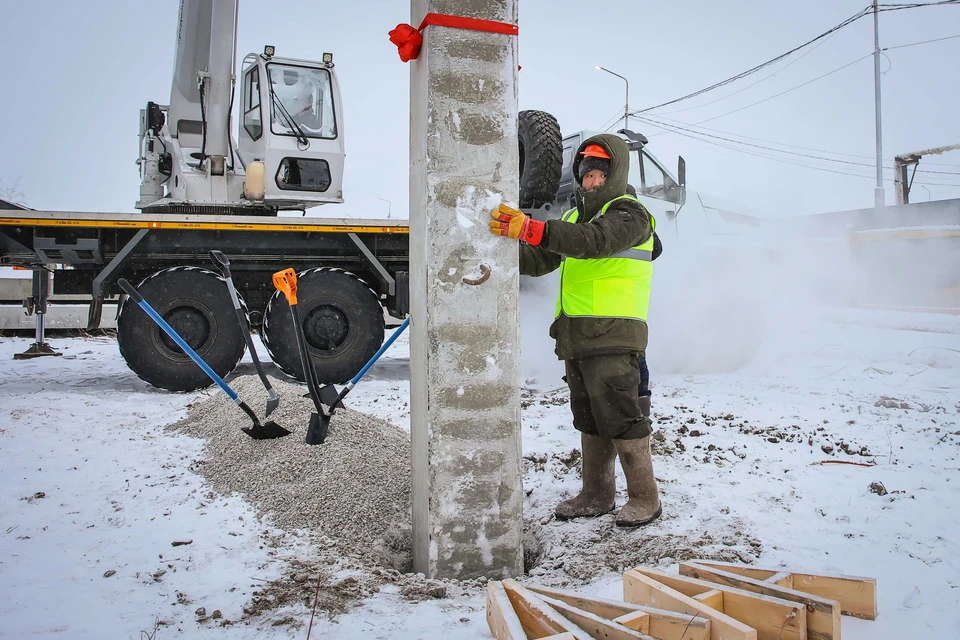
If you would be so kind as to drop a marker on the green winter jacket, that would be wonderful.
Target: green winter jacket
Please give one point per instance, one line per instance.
(625, 224)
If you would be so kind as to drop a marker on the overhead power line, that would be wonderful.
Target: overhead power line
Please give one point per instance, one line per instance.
(776, 95)
(913, 44)
(654, 122)
(742, 89)
(694, 135)
(860, 14)
(683, 125)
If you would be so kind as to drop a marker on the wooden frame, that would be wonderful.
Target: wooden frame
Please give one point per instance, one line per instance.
(537, 618)
(823, 615)
(660, 623)
(641, 589)
(771, 618)
(857, 596)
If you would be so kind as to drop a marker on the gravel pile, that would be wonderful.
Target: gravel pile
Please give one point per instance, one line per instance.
(354, 488)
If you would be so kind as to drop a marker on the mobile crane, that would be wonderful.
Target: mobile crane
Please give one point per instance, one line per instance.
(201, 190)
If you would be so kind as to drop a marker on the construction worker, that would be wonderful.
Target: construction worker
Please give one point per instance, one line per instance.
(603, 249)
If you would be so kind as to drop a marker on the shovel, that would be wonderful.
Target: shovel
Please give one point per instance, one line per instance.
(259, 431)
(273, 401)
(286, 282)
(329, 395)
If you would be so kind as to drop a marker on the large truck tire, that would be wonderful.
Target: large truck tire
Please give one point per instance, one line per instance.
(197, 304)
(541, 158)
(342, 322)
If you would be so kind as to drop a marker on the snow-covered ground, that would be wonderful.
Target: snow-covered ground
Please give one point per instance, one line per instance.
(95, 495)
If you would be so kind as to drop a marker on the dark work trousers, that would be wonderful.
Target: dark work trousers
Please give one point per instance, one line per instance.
(644, 388)
(603, 396)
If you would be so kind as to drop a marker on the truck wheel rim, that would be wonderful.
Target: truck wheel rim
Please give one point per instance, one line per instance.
(192, 325)
(325, 327)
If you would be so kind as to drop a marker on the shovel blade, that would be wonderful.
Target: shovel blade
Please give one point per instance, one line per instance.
(272, 403)
(329, 396)
(267, 431)
(317, 429)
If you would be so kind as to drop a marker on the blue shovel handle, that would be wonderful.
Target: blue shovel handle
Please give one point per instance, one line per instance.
(376, 356)
(135, 295)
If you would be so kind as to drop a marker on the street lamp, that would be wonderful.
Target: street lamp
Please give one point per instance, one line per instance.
(389, 205)
(626, 102)
(928, 192)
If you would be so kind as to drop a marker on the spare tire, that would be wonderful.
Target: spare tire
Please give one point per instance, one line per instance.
(541, 158)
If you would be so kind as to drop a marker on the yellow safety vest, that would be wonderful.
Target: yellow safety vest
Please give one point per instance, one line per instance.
(614, 287)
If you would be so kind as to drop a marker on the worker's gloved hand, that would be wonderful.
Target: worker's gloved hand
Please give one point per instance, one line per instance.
(512, 223)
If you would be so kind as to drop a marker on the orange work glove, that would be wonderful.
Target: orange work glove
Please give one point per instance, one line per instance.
(512, 223)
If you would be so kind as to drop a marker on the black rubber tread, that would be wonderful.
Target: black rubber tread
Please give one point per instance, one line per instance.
(316, 288)
(541, 158)
(146, 348)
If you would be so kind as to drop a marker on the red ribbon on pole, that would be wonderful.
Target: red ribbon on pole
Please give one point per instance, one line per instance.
(409, 40)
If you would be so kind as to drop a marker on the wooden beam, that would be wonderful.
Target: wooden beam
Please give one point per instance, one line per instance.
(782, 579)
(711, 598)
(638, 621)
(597, 627)
(664, 624)
(641, 589)
(773, 618)
(857, 595)
(538, 619)
(501, 618)
(823, 615)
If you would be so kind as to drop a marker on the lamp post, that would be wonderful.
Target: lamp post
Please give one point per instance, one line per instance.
(626, 102)
(389, 205)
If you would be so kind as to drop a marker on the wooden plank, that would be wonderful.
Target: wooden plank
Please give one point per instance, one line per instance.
(640, 589)
(638, 621)
(823, 616)
(740, 569)
(538, 619)
(773, 618)
(597, 627)
(664, 624)
(501, 618)
(602, 607)
(711, 598)
(857, 595)
(782, 579)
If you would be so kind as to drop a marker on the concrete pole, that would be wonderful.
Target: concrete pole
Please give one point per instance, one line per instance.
(465, 336)
(878, 196)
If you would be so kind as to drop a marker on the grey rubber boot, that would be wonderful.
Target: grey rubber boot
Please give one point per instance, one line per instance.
(599, 492)
(643, 505)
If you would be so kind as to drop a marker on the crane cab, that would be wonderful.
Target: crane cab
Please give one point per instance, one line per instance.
(290, 120)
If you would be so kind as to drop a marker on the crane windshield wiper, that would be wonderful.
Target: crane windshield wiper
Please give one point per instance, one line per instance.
(289, 121)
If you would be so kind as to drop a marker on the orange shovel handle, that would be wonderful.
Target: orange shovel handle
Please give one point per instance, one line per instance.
(286, 281)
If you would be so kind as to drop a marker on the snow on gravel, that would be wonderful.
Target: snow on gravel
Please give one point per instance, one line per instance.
(114, 523)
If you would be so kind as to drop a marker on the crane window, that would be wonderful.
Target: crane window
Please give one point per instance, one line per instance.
(252, 122)
(301, 102)
(303, 174)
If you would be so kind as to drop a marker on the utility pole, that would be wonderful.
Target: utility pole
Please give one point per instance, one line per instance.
(878, 193)
(467, 470)
(626, 101)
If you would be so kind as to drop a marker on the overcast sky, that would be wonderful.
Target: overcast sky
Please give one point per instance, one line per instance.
(78, 73)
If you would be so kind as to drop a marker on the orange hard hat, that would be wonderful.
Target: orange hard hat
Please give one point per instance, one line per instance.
(595, 151)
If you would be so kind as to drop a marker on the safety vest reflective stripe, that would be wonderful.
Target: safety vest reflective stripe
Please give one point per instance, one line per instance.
(635, 254)
(617, 286)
